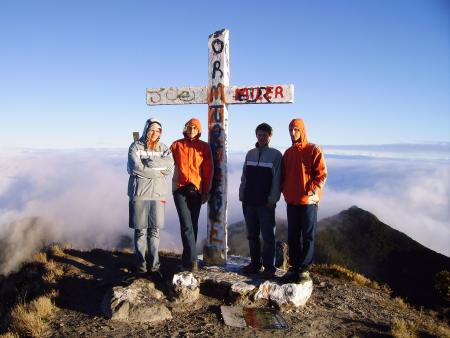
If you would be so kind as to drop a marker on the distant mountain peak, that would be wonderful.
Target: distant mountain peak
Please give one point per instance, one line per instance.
(357, 239)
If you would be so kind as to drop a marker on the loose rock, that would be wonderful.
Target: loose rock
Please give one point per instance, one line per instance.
(186, 287)
(286, 294)
(137, 302)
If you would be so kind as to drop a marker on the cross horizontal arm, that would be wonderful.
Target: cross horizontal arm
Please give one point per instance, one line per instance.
(260, 94)
(233, 95)
(177, 95)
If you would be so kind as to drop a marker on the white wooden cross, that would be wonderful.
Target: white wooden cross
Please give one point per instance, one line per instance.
(218, 95)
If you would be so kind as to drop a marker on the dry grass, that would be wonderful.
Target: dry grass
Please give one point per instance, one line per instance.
(53, 271)
(400, 302)
(341, 272)
(438, 329)
(43, 257)
(9, 335)
(40, 257)
(403, 329)
(56, 250)
(32, 319)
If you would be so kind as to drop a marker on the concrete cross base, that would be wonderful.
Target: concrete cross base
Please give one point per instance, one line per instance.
(227, 282)
(212, 255)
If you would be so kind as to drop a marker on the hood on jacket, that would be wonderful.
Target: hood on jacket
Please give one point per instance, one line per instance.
(148, 124)
(195, 122)
(298, 123)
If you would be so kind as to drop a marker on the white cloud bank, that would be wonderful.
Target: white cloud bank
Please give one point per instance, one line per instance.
(79, 197)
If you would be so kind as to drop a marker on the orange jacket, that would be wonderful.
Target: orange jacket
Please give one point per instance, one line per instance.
(303, 171)
(193, 164)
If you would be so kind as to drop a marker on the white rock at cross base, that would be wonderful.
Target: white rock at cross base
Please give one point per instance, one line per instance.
(286, 294)
(185, 279)
(186, 287)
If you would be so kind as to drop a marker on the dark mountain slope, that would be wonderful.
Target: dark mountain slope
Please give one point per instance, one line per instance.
(356, 239)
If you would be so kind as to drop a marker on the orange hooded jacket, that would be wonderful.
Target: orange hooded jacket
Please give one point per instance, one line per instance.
(304, 171)
(193, 161)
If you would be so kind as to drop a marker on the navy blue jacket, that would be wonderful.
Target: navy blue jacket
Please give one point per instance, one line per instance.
(261, 176)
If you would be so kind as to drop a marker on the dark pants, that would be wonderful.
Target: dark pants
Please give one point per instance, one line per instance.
(188, 208)
(260, 219)
(302, 223)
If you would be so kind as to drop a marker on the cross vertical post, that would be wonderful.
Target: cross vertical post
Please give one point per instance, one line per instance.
(215, 250)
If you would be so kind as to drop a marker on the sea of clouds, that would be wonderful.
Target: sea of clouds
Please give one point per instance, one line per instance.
(79, 196)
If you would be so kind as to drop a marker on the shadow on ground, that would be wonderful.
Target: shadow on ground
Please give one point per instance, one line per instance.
(88, 274)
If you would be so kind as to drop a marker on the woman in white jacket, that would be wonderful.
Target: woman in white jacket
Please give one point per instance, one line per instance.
(149, 163)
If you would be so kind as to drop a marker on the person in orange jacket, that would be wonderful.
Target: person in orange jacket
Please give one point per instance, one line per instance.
(304, 173)
(190, 186)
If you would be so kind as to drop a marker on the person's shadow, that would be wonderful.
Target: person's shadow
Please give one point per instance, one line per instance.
(89, 274)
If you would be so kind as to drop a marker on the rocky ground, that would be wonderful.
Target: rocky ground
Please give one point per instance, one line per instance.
(337, 307)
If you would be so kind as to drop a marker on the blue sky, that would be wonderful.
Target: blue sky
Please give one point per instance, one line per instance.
(74, 73)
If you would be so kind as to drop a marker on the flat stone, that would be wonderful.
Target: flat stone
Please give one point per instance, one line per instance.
(242, 288)
(241, 293)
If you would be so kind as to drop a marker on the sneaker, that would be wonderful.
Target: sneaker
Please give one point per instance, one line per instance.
(292, 276)
(251, 268)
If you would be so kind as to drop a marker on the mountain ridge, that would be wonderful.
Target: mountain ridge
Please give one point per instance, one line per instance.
(356, 239)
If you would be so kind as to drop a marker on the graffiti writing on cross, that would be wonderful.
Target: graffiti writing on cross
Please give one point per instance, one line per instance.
(218, 95)
(232, 94)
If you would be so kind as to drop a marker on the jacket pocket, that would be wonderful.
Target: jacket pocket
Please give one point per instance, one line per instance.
(306, 173)
(159, 188)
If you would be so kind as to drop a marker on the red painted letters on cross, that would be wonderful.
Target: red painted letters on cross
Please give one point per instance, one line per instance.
(253, 94)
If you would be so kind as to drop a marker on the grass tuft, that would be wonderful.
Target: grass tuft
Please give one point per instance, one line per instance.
(56, 250)
(402, 329)
(9, 335)
(400, 302)
(40, 257)
(438, 329)
(52, 271)
(338, 271)
(31, 319)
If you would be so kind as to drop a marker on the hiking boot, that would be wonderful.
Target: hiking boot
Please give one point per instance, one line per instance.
(304, 276)
(251, 268)
(139, 272)
(155, 276)
(292, 276)
(268, 273)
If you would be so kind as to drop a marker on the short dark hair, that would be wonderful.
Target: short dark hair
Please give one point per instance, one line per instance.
(264, 127)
